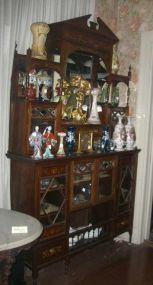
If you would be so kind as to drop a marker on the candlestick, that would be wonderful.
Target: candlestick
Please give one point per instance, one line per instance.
(79, 143)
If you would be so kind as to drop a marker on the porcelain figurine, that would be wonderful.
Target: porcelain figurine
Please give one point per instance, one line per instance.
(35, 141)
(50, 141)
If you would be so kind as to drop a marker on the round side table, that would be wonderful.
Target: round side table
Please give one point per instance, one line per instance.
(17, 232)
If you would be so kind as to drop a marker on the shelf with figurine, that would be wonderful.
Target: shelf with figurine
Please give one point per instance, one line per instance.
(48, 145)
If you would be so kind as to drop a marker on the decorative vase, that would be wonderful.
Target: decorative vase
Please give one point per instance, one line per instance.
(94, 116)
(119, 135)
(130, 134)
(61, 151)
(39, 31)
(70, 140)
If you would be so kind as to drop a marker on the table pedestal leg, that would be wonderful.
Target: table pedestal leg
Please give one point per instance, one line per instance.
(6, 261)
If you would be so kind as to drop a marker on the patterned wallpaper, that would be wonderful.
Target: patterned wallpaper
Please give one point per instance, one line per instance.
(127, 19)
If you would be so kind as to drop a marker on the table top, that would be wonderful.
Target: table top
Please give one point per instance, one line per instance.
(9, 219)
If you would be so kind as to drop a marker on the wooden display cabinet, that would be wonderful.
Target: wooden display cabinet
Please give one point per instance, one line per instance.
(85, 198)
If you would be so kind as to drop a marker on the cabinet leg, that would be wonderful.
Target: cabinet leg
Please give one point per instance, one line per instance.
(67, 265)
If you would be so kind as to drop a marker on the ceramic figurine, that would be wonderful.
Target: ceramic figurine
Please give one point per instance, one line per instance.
(35, 141)
(39, 31)
(50, 141)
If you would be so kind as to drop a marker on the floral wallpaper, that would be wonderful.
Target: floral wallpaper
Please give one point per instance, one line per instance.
(127, 19)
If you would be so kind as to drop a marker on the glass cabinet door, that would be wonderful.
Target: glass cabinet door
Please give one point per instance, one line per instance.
(126, 182)
(82, 183)
(52, 199)
(106, 178)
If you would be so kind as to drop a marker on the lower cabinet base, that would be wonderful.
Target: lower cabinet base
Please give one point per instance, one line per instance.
(44, 253)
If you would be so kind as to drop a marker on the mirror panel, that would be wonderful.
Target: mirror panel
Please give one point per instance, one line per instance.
(40, 85)
(79, 63)
(90, 67)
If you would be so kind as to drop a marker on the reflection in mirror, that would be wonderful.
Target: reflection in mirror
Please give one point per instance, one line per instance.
(102, 83)
(42, 85)
(79, 63)
(101, 70)
(86, 65)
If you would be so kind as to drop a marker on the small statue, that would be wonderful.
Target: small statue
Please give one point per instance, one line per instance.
(40, 31)
(78, 90)
(50, 141)
(35, 141)
(78, 114)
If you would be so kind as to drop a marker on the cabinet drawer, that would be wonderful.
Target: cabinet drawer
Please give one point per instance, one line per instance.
(53, 170)
(51, 251)
(54, 230)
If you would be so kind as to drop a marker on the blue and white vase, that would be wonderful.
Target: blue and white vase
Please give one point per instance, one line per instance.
(70, 140)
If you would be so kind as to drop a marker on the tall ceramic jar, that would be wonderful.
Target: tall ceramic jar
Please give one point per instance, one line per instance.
(130, 134)
(119, 135)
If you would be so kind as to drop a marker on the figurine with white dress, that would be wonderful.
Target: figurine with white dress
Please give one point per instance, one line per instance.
(35, 141)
